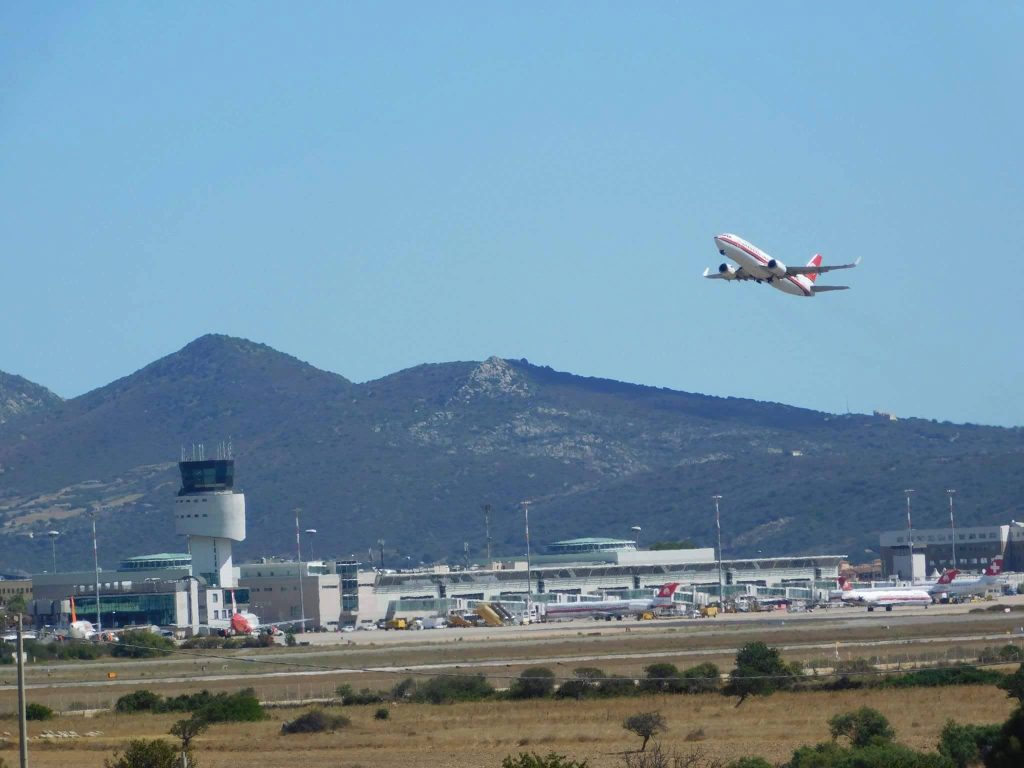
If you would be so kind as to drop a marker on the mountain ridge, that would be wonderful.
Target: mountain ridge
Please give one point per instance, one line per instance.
(410, 457)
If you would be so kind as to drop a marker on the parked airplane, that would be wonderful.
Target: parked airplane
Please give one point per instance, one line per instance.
(608, 609)
(887, 597)
(80, 629)
(989, 580)
(755, 264)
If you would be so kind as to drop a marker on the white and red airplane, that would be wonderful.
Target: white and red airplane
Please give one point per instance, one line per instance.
(887, 597)
(608, 609)
(989, 580)
(755, 264)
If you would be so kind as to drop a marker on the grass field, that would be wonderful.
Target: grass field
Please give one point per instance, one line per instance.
(481, 734)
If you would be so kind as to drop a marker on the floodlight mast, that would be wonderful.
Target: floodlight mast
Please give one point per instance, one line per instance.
(721, 578)
(952, 525)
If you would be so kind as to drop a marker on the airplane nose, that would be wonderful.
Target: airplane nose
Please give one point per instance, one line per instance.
(720, 246)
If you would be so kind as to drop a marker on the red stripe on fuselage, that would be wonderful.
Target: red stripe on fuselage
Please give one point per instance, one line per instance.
(764, 261)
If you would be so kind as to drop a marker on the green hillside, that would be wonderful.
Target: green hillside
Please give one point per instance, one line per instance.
(411, 457)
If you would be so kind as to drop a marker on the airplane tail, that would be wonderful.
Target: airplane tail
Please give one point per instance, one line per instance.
(234, 605)
(669, 589)
(845, 585)
(995, 567)
(814, 262)
(74, 617)
(948, 576)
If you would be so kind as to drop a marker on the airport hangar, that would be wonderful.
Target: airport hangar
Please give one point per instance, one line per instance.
(933, 549)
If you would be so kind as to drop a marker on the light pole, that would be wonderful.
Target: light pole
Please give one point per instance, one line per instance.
(298, 551)
(53, 546)
(529, 568)
(188, 599)
(910, 532)
(96, 565)
(312, 533)
(380, 543)
(952, 525)
(721, 578)
(487, 532)
(636, 529)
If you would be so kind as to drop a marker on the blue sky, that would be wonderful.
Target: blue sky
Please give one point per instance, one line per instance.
(373, 186)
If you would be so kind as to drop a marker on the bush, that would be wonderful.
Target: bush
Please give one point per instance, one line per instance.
(139, 644)
(862, 727)
(533, 760)
(877, 755)
(940, 676)
(533, 683)
(213, 708)
(35, 711)
(1008, 745)
(661, 678)
(142, 753)
(138, 701)
(749, 762)
(350, 698)
(759, 671)
(1014, 684)
(446, 689)
(616, 686)
(382, 713)
(645, 725)
(403, 689)
(967, 745)
(315, 721)
(703, 678)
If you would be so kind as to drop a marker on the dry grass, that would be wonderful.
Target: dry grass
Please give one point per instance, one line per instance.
(481, 734)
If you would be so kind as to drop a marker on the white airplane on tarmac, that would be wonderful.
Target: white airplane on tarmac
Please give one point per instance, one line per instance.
(989, 580)
(607, 609)
(887, 597)
(755, 264)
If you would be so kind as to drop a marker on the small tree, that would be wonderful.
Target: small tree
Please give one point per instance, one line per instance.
(967, 745)
(36, 711)
(645, 725)
(533, 683)
(186, 730)
(702, 678)
(862, 727)
(1008, 746)
(759, 671)
(1014, 684)
(143, 753)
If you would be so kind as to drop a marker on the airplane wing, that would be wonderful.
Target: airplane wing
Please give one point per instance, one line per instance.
(716, 275)
(822, 288)
(820, 269)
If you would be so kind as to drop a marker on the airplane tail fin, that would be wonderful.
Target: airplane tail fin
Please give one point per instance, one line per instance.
(669, 589)
(814, 262)
(74, 616)
(948, 576)
(995, 567)
(844, 584)
(234, 605)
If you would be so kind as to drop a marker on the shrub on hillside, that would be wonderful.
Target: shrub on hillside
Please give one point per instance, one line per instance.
(533, 683)
(967, 745)
(533, 760)
(382, 713)
(759, 671)
(36, 711)
(139, 644)
(940, 676)
(703, 678)
(143, 753)
(446, 689)
(351, 698)
(315, 721)
(661, 678)
(138, 701)
(862, 727)
(877, 755)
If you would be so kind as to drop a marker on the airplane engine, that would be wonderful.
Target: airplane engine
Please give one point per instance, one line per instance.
(777, 268)
(727, 271)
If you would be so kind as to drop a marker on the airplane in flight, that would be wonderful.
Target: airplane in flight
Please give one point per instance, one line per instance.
(755, 264)
(608, 609)
(988, 581)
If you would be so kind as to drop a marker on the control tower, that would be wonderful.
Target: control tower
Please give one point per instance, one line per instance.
(212, 515)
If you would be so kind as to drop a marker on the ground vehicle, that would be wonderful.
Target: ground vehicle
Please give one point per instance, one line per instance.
(397, 624)
(709, 611)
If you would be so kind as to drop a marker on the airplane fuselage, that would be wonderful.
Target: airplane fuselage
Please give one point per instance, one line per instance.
(754, 262)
